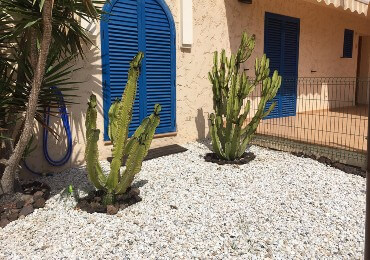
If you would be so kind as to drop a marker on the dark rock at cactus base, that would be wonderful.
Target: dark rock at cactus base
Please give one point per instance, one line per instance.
(38, 194)
(39, 203)
(12, 216)
(137, 198)
(4, 222)
(97, 207)
(94, 202)
(19, 204)
(133, 192)
(83, 205)
(112, 210)
(245, 158)
(36, 188)
(123, 206)
(10, 205)
(26, 210)
(28, 199)
(122, 197)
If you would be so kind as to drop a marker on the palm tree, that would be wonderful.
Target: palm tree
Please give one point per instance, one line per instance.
(30, 27)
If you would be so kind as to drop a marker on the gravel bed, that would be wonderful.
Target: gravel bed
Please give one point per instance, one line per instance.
(278, 206)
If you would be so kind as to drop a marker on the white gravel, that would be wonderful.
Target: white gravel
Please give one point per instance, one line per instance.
(278, 206)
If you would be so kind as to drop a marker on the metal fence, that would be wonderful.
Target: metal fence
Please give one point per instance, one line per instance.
(321, 116)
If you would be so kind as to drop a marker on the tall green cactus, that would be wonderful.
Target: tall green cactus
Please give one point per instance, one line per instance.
(135, 148)
(230, 88)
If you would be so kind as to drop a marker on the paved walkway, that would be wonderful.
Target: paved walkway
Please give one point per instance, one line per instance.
(344, 128)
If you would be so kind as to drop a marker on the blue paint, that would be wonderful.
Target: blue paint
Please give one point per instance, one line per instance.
(282, 48)
(148, 26)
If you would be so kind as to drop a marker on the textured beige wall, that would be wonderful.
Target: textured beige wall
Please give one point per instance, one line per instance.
(218, 24)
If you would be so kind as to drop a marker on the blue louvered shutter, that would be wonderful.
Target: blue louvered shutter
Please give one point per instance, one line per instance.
(288, 92)
(159, 64)
(273, 50)
(144, 25)
(282, 47)
(120, 45)
(348, 43)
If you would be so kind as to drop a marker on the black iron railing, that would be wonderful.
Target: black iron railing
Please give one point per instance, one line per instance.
(328, 112)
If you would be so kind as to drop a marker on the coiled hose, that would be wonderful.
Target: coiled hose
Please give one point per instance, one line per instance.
(65, 120)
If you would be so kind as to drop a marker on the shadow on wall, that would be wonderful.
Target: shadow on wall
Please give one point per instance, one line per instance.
(202, 123)
(89, 78)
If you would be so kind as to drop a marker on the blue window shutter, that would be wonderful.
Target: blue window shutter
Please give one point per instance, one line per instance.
(132, 26)
(160, 63)
(119, 46)
(273, 51)
(288, 91)
(282, 48)
(348, 43)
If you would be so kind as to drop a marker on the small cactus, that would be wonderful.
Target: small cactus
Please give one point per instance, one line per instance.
(135, 148)
(230, 89)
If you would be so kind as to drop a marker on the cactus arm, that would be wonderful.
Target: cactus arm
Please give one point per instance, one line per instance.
(272, 106)
(124, 119)
(113, 123)
(91, 115)
(94, 171)
(139, 149)
(102, 178)
(91, 152)
(136, 135)
(249, 131)
(244, 144)
(236, 139)
(216, 144)
(270, 88)
(133, 165)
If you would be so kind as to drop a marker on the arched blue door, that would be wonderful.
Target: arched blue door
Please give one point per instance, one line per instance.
(140, 25)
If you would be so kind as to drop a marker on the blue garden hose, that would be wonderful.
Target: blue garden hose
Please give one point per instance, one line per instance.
(64, 116)
(65, 120)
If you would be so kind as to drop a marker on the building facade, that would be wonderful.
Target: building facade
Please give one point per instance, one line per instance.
(303, 38)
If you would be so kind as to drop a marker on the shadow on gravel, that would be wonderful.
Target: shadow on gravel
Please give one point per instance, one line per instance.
(206, 142)
(245, 158)
(139, 184)
(75, 178)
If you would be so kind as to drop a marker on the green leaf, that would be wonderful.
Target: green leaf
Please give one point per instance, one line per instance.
(29, 24)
